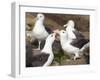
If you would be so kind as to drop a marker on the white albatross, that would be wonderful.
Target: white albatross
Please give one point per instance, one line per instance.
(71, 46)
(39, 30)
(46, 56)
(71, 31)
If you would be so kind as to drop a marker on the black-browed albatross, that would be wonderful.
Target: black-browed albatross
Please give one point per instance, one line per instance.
(71, 46)
(40, 32)
(73, 34)
(71, 31)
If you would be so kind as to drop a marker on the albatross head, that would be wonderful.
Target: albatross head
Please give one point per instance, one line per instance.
(40, 17)
(70, 24)
(51, 38)
(62, 34)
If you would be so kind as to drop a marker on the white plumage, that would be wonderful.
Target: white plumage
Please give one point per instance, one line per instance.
(39, 31)
(67, 46)
(69, 29)
(77, 39)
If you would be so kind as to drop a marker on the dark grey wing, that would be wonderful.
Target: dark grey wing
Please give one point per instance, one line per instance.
(78, 34)
(79, 43)
(40, 60)
(48, 30)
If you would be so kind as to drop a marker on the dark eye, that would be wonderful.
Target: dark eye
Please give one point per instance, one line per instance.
(52, 35)
(40, 16)
(63, 32)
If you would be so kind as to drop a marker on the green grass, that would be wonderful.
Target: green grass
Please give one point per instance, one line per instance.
(60, 56)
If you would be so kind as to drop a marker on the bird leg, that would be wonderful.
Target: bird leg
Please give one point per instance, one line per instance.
(39, 45)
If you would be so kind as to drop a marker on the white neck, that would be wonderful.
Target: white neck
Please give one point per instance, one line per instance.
(39, 22)
(38, 26)
(70, 28)
(63, 39)
(48, 47)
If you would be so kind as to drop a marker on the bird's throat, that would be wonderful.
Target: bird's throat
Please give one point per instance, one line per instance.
(48, 47)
